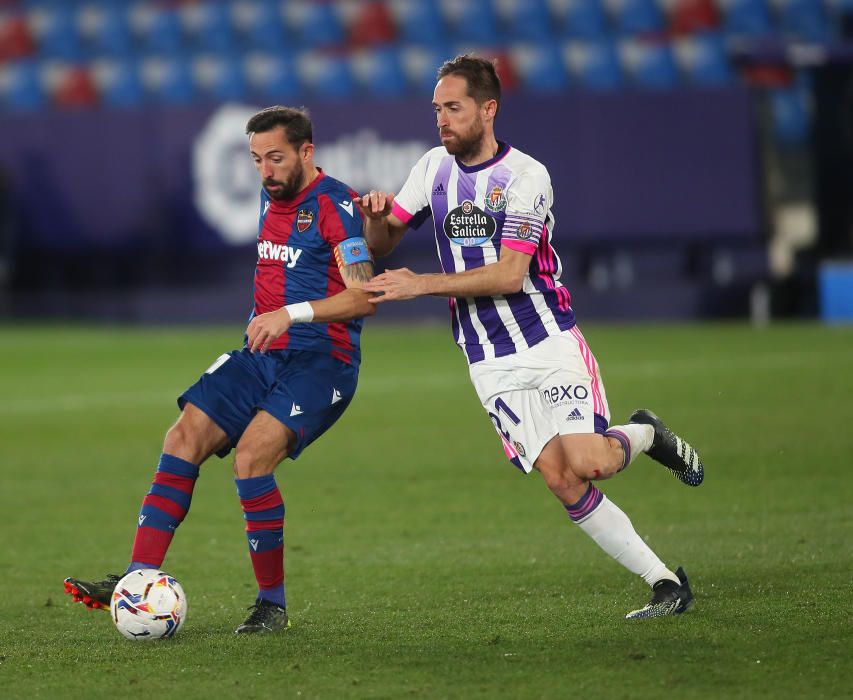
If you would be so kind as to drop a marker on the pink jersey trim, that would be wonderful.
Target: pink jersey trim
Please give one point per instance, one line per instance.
(525, 247)
(401, 213)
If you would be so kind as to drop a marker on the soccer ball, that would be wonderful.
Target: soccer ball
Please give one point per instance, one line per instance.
(148, 604)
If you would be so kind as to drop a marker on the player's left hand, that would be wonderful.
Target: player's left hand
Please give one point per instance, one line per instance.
(395, 285)
(264, 329)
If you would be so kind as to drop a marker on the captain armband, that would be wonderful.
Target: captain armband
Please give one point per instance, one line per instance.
(352, 251)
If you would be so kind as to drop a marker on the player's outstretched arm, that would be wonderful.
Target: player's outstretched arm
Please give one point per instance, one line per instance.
(503, 277)
(382, 229)
(352, 302)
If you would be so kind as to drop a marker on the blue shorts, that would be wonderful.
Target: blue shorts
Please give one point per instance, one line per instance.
(307, 391)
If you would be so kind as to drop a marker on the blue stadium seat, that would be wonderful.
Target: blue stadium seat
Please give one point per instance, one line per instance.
(585, 19)
(315, 24)
(119, 83)
(325, 76)
(704, 60)
(169, 80)
(472, 21)
(379, 72)
(651, 65)
(419, 22)
(639, 17)
(55, 29)
(158, 29)
(208, 24)
(746, 17)
(23, 90)
(220, 77)
(421, 63)
(540, 67)
(595, 65)
(791, 114)
(105, 29)
(805, 19)
(526, 20)
(262, 25)
(271, 77)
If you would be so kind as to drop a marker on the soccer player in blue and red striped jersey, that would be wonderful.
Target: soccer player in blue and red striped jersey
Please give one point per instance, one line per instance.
(531, 366)
(292, 379)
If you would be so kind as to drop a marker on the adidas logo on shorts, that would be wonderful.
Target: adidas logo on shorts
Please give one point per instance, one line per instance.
(574, 415)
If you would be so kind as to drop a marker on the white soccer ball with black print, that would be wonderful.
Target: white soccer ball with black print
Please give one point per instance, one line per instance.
(148, 604)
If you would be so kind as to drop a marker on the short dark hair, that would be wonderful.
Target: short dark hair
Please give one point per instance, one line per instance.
(479, 73)
(296, 123)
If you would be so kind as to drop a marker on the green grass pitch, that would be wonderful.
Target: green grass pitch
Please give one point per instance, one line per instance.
(419, 562)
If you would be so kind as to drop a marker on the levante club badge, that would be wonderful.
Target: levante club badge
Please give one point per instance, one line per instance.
(304, 219)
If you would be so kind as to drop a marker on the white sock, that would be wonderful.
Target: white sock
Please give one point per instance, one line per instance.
(613, 532)
(634, 437)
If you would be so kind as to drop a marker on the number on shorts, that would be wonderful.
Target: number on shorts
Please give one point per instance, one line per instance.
(221, 360)
(501, 406)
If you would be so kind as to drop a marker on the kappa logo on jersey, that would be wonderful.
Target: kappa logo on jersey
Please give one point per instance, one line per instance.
(539, 204)
(304, 219)
(524, 231)
(496, 200)
(439, 191)
(468, 225)
(278, 251)
(568, 393)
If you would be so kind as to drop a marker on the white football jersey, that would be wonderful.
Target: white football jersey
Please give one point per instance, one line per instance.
(505, 201)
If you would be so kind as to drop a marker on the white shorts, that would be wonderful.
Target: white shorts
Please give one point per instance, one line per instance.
(553, 388)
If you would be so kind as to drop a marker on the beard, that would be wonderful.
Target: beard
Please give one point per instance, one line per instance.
(289, 187)
(466, 146)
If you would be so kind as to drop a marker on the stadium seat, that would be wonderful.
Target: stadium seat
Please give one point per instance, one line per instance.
(118, 82)
(634, 17)
(595, 65)
(421, 64)
(314, 24)
(325, 76)
(472, 21)
(157, 29)
(525, 20)
(219, 77)
(15, 38)
(746, 17)
(271, 77)
(55, 29)
(650, 65)
(168, 80)
(260, 25)
(540, 67)
(105, 29)
(21, 86)
(703, 59)
(372, 24)
(208, 25)
(791, 113)
(691, 16)
(805, 19)
(418, 22)
(74, 87)
(585, 19)
(379, 73)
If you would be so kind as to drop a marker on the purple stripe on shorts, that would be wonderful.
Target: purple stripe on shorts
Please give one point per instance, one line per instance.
(586, 505)
(626, 445)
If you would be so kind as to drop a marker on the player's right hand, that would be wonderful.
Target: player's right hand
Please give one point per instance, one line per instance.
(375, 204)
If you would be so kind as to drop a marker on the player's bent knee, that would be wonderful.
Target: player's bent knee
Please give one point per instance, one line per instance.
(194, 436)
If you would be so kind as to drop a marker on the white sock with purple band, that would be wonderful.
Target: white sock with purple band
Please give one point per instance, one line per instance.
(634, 438)
(611, 530)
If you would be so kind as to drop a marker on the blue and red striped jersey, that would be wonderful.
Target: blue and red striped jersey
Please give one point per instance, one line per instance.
(296, 262)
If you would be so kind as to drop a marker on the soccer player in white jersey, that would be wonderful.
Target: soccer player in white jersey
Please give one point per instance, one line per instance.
(531, 367)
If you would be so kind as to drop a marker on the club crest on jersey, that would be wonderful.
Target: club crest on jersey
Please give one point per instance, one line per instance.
(495, 200)
(304, 219)
(523, 232)
(468, 225)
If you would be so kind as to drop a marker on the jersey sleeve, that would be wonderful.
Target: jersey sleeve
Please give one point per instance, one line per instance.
(339, 218)
(412, 201)
(529, 199)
